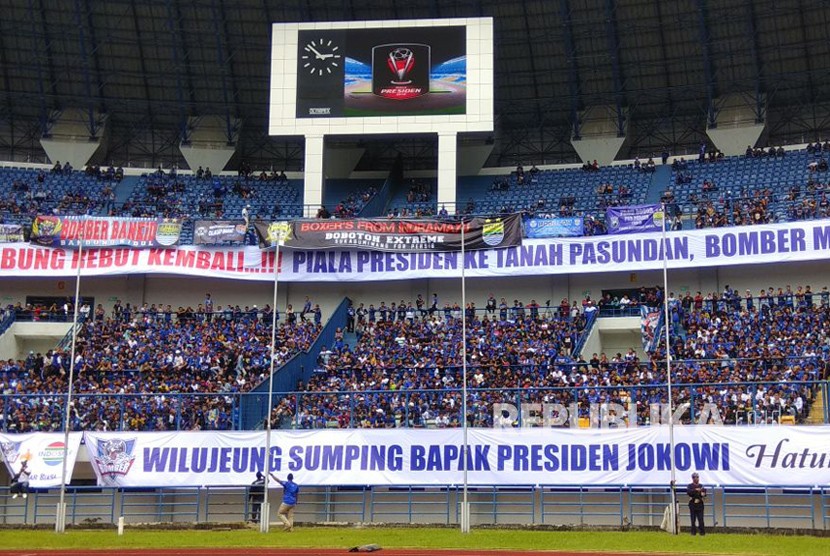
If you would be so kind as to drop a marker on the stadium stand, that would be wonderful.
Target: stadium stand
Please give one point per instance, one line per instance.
(25, 193)
(743, 190)
(132, 366)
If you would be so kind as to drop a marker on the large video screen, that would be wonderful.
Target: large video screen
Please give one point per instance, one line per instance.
(379, 77)
(411, 71)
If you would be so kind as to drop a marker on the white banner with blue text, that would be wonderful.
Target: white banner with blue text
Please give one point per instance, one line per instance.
(638, 456)
(43, 454)
(770, 243)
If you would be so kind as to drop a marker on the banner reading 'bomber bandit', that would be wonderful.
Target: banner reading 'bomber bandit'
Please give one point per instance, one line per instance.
(410, 236)
(105, 231)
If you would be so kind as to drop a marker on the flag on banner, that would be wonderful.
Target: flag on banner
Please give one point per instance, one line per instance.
(634, 219)
(43, 453)
(219, 232)
(650, 318)
(271, 233)
(400, 236)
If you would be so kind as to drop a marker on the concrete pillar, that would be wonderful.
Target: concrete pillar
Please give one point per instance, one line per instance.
(447, 165)
(314, 178)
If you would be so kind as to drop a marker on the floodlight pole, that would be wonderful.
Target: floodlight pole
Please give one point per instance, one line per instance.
(265, 509)
(465, 505)
(60, 513)
(666, 325)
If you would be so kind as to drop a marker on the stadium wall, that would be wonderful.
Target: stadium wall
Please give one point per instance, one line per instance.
(176, 291)
(620, 507)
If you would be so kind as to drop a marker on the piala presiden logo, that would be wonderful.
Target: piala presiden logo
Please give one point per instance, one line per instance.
(401, 71)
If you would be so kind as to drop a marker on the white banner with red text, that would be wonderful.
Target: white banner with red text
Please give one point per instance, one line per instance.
(772, 243)
(541, 456)
(43, 454)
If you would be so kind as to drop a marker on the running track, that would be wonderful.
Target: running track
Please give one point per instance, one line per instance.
(301, 552)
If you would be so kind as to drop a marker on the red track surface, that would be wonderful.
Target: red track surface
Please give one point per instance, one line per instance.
(296, 552)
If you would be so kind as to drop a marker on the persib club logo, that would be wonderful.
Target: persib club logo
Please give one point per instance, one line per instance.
(114, 457)
(492, 232)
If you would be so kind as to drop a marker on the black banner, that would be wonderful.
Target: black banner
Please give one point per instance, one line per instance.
(218, 232)
(406, 236)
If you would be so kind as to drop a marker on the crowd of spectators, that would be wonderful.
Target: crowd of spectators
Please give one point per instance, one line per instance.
(36, 192)
(350, 206)
(109, 174)
(162, 196)
(776, 339)
(749, 355)
(818, 147)
(647, 167)
(406, 367)
(170, 369)
(768, 152)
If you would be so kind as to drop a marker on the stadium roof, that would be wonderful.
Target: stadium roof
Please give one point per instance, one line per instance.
(663, 66)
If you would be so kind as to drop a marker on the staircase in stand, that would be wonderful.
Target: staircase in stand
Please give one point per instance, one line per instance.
(816, 416)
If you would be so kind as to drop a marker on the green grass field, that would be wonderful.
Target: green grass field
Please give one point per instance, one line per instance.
(342, 537)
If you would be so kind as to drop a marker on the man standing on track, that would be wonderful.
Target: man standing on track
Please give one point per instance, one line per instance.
(256, 495)
(289, 501)
(697, 493)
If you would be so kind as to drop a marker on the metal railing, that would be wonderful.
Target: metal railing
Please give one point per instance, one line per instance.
(615, 506)
(414, 408)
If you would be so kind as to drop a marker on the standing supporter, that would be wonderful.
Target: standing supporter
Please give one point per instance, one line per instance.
(289, 501)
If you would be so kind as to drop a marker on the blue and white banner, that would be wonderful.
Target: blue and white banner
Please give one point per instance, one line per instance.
(639, 456)
(634, 219)
(43, 453)
(747, 245)
(545, 226)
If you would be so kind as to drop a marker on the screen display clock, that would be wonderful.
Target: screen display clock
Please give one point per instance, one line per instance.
(321, 57)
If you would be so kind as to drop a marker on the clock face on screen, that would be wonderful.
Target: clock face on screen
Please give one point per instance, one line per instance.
(320, 57)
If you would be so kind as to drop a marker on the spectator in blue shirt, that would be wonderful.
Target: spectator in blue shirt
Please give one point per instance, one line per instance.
(289, 501)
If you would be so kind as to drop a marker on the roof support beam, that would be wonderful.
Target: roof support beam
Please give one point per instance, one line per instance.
(140, 47)
(50, 58)
(760, 110)
(229, 93)
(172, 27)
(811, 88)
(92, 127)
(616, 70)
(96, 60)
(708, 66)
(665, 58)
(532, 59)
(44, 111)
(573, 67)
